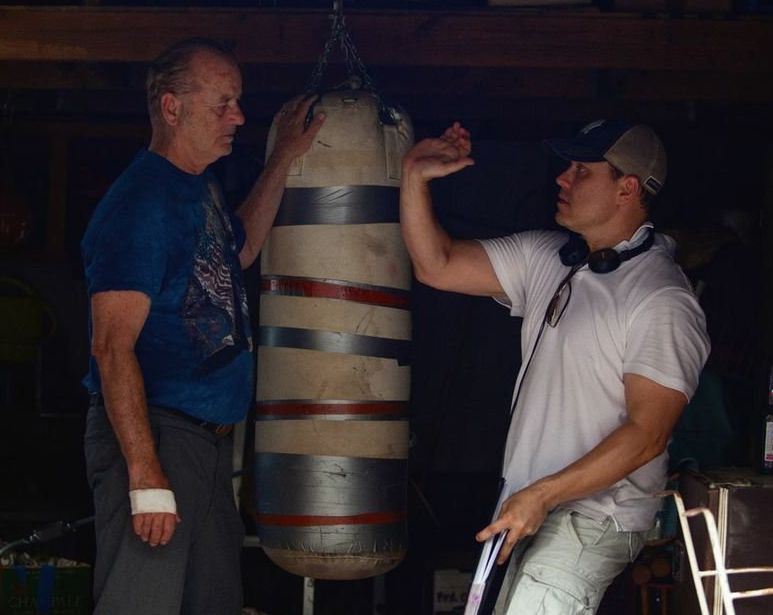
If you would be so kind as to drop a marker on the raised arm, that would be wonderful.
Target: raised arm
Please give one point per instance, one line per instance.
(293, 138)
(438, 260)
(652, 413)
(118, 318)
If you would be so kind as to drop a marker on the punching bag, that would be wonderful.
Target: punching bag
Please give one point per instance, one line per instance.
(331, 432)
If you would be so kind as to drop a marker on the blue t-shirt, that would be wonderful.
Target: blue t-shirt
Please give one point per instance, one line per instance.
(167, 233)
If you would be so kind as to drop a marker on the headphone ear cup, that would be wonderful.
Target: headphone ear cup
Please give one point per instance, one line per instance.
(574, 251)
(604, 261)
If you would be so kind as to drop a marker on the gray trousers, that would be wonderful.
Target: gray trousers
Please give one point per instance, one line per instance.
(198, 572)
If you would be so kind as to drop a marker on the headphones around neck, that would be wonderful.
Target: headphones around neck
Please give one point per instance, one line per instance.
(576, 252)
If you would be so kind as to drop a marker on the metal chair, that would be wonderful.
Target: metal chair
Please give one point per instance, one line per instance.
(719, 572)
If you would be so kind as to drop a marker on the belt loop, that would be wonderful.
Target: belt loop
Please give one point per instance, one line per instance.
(222, 430)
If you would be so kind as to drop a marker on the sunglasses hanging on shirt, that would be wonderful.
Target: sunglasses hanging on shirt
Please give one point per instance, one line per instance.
(575, 253)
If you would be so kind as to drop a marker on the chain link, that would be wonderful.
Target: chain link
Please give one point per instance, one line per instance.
(354, 64)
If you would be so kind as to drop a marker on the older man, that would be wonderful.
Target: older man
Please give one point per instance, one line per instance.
(613, 341)
(171, 369)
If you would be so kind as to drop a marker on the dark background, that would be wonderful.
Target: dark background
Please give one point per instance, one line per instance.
(69, 127)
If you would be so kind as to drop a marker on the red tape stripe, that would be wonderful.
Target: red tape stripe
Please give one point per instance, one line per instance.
(314, 288)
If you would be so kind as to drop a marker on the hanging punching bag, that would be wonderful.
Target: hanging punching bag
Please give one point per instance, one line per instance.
(331, 433)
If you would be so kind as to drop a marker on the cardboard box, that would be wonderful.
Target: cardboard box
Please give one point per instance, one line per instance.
(45, 590)
(449, 590)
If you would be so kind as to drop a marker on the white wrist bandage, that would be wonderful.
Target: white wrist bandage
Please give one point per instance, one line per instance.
(152, 501)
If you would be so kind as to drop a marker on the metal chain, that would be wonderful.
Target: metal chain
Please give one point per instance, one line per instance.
(354, 64)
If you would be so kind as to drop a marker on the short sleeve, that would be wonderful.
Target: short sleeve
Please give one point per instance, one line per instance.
(126, 246)
(514, 256)
(505, 254)
(667, 340)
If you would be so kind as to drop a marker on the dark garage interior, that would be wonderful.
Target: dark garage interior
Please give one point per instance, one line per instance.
(72, 115)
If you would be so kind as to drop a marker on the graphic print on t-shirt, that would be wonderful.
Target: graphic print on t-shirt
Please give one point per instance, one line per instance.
(215, 306)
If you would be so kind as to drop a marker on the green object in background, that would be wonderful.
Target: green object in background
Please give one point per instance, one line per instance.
(25, 321)
(703, 433)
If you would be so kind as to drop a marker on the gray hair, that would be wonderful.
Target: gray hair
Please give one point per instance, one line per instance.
(170, 71)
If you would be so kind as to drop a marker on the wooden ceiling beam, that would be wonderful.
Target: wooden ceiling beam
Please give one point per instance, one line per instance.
(484, 38)
(523, 118)
(117, 89)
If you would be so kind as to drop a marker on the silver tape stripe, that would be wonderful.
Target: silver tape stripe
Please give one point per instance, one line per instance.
(264, 412)
(339, 205)
(337, 402)
(331, 341)
(329, 417)
(350, 540)
(328, 486)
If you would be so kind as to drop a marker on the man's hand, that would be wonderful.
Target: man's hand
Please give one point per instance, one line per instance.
(293, 137)
(459, 137)
(154, 528)
(432, 158)
(522, 514)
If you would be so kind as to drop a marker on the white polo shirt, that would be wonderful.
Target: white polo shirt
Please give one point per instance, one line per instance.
(641, 318)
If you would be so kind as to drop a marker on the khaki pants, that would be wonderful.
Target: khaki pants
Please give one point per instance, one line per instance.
(566, 567)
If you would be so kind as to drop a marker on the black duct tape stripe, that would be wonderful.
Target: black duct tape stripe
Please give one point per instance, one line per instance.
(339, 205)
(329, 486)
(333, 341)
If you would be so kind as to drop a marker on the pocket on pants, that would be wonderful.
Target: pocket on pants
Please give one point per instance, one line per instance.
(543, 590)
(588, 532)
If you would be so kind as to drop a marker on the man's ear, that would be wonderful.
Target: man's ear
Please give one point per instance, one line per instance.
(171, 109)
(629, 186)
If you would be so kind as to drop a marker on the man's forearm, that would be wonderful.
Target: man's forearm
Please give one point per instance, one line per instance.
(625, 450)
(293, 137)
(427, 242)
(258, 210)
(126, 405)
(653, 411)
(522, 514)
